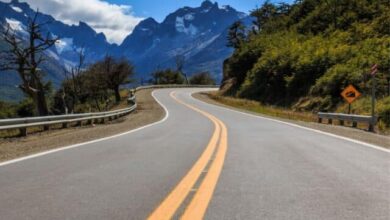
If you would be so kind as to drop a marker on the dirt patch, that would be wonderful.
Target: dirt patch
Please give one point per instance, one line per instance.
(148, 111)
(357, 134)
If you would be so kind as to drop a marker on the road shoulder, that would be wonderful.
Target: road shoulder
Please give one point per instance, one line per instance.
(148, 111)
(356, 134)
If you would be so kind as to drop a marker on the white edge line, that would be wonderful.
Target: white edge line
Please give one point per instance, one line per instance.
(90, 142)
(301, 127)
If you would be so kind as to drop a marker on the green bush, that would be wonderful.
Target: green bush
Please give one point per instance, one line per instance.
(26, 108)
(7, 110)
(167, 76)
(203, 78)
(384, 111)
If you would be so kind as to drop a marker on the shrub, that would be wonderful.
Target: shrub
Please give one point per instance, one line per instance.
(203, 78)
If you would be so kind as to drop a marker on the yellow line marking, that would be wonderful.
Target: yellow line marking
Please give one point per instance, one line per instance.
(198, 206)
(173, 201)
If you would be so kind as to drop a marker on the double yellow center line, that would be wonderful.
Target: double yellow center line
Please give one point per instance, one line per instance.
(196, 209)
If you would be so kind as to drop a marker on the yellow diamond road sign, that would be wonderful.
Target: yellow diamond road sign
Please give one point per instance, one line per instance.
(350, 94)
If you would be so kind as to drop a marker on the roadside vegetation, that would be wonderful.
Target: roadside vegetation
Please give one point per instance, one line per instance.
(169, 76)
(257, 107)
(301, 56)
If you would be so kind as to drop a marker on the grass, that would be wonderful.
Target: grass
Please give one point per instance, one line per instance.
(279, 112)
(257, 107)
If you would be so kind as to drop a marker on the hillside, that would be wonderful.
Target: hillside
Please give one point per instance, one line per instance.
(303, 55)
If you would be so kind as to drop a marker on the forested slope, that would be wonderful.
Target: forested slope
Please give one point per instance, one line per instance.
(303, 55)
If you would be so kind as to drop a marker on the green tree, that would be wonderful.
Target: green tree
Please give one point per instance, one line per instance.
(114, 73)
(203, 78)
(236, 35)
(167, 76)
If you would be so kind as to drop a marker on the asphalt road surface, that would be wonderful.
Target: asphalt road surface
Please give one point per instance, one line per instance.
(202, 161)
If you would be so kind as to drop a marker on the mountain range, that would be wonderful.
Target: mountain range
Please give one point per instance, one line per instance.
(196, 34)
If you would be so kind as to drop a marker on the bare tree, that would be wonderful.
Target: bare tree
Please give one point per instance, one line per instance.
(180, 61)
(25, 56)
(71, 76)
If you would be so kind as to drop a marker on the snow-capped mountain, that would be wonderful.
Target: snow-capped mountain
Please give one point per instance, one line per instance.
(198, 34)
(72, 37)
(187, 32)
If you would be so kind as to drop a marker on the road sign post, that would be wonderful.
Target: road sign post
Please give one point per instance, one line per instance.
(374, 70)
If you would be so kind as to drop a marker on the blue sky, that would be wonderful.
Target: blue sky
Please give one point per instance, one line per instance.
(150, 8)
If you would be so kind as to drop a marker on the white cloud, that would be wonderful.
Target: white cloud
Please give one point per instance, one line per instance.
(115, 21)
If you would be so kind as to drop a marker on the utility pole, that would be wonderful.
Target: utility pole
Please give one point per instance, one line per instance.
(349, 108)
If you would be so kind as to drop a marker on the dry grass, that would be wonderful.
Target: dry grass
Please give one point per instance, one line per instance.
(283, 113)
(257, 107)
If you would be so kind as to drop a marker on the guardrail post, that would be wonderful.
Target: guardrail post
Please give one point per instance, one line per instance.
(64, 125)
(371, 128)
(103, 120)
(341, 122)
(23, 132)
(371, 125)
(354, 124)
(330, 121)
(79, 123)
(90, 121)
(319, 120)
(46, 127)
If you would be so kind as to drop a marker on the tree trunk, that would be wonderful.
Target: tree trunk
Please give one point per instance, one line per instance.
(97, 104)
(117, 95)
(187, 82)
(41, 103)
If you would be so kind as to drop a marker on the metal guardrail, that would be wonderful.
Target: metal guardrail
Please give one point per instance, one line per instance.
(16, 121)
(22, 124)
(174, 86)
(355, 119)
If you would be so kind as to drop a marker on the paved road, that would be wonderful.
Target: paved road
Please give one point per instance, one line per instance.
(202, 161)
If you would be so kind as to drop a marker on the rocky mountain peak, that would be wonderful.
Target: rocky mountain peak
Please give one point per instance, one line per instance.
(207, 4)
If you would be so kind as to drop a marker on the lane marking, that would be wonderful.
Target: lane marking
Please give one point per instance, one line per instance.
(198, 206)
(93, 141)
(174, 200)
(373, 146)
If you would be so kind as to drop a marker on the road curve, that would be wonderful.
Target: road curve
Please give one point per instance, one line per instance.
(201, 161)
